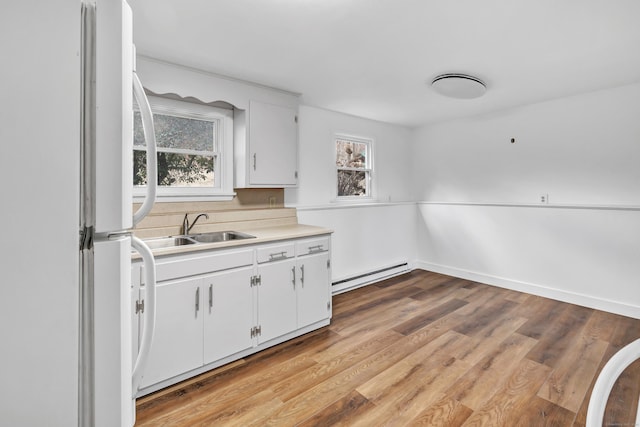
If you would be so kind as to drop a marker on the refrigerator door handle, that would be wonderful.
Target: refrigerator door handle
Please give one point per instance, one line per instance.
(149, 311)
(150, 137)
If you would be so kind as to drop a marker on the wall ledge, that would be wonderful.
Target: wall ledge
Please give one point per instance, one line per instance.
(610, 207)
(347, 205)
(585, 206)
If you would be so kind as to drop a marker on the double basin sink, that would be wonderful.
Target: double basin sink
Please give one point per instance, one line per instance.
(194, 239)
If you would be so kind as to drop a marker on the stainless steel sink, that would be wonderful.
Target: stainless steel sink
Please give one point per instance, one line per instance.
(194, 239)
(169, 242)
(220, 236)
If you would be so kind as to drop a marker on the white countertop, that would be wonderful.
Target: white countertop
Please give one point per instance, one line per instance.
(263, 235)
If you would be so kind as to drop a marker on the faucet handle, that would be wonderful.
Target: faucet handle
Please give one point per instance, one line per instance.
(189, 227)
(185, 225)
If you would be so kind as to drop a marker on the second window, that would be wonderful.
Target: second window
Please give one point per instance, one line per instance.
(353, 167)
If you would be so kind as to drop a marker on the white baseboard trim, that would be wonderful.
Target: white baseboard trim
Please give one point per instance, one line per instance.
(531, 288)
(368, 278)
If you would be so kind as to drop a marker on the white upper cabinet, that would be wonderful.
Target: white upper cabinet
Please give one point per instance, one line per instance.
(265, 131)
(266, 146)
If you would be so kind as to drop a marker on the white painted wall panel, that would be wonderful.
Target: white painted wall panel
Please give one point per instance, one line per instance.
(368, 237)
(583, 151)
(316, 182)
(583, 256)
(579, 150)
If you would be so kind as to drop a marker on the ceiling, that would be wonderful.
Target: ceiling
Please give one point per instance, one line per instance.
(376, 58)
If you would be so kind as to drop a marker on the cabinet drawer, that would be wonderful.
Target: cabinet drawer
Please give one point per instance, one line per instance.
(172, 269)
(275, 252)
(312, 246)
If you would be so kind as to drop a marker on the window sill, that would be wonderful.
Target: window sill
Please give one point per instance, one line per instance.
(222, 197)
(354, 200)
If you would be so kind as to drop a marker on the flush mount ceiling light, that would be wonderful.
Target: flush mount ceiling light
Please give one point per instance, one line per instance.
(459, 86)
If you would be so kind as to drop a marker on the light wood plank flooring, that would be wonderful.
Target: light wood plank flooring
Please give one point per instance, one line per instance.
(419, 349)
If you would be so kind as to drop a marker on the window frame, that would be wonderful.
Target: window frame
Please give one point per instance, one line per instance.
(369, 170)
(222, 153)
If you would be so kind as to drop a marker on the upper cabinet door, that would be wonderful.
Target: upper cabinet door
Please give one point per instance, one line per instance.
(273, 145)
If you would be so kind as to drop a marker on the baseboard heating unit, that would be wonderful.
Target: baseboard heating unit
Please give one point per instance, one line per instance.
(367, 278)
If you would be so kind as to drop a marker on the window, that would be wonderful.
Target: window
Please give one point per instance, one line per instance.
(353, 167)
(195, 144)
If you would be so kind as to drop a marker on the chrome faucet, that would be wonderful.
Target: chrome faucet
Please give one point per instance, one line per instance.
(185, 223)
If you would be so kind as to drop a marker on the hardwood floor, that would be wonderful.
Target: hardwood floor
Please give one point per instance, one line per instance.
(419, 349)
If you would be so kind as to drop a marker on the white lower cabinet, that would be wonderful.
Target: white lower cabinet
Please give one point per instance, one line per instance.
(228, 315)
(276, 299)
(177, 341)
(314, 297)
(199, 321)
(294, 292)
(263, 295)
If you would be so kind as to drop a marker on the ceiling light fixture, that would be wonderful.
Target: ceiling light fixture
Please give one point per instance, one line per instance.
(459, 86)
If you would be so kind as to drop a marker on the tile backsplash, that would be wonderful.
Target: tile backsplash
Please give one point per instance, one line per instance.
(250, 208)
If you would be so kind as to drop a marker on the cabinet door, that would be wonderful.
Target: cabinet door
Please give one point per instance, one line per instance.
(276, 299)
(273, 145)
(228, 315)
(313, 289)
(177, 341)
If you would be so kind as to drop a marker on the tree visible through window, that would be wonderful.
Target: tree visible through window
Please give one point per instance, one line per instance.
(353, 164)
(186, 151)
(195, 149)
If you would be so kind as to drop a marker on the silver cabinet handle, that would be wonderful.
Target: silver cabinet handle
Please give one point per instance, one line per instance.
(316, 248)
(302, 276)
(278, 256)
(197, 300)
(210, 297)
(254, 161)
(293, 270)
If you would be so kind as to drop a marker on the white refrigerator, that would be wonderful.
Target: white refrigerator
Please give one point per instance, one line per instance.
(109, 379)
(65, 328)
(65, 185)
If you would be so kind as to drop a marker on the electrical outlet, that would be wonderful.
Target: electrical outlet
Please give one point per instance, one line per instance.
(544, 198)
(272, 202)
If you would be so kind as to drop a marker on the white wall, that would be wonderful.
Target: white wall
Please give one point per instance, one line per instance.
(481, 217)
(165, 78)
(39, 139)
(366, 237)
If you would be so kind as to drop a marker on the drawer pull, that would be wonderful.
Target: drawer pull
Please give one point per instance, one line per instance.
(197, 300)
(210, 297)
(316, 248)
(293, 270)
(278, 256)
(302, 275)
